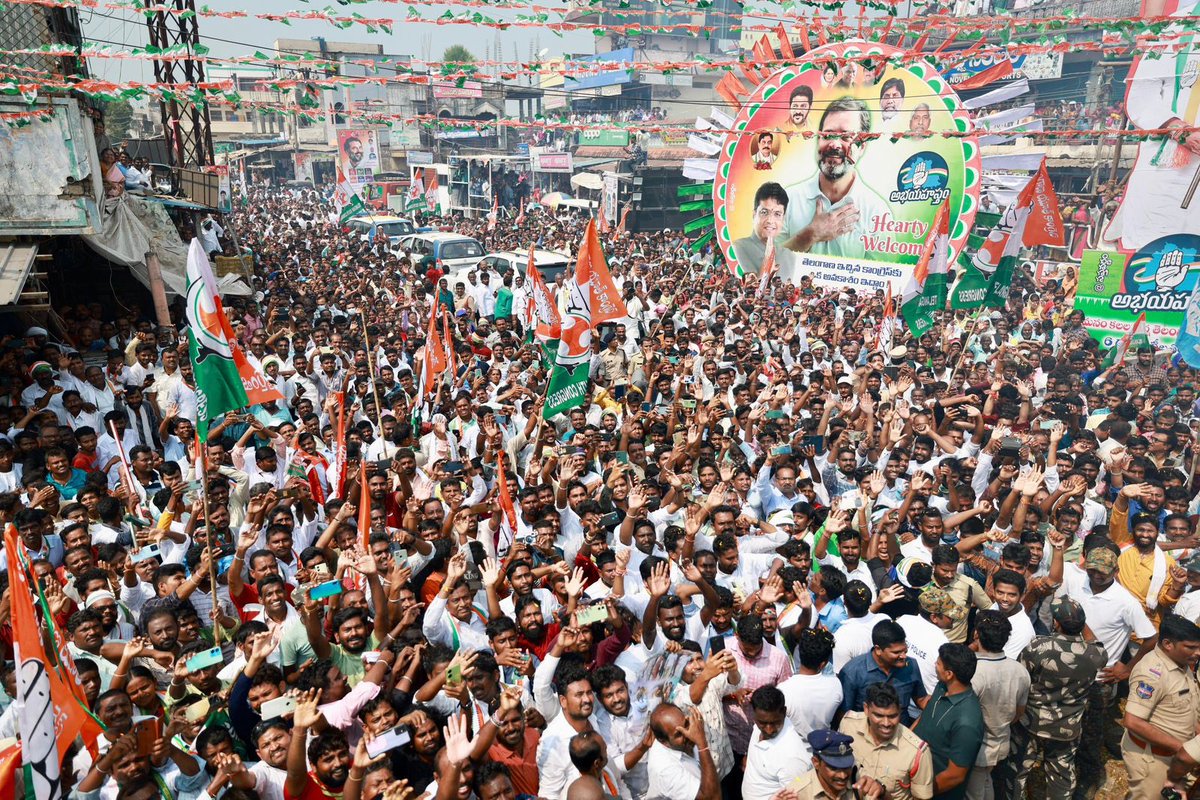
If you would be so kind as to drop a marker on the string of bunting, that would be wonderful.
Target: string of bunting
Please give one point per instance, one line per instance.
(11, 84)
(554, 19)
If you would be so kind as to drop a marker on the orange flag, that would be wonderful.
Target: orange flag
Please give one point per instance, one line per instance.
(51, 714)
(624, 215)
(592, 271)
(10, 762)
(364, 506)
(433, 360)
(448, 342)
(506, 501)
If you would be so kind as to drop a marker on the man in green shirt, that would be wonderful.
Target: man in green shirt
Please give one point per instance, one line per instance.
(504, 297)
(952, 722)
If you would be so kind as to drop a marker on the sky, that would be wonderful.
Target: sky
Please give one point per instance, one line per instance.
(244, 36)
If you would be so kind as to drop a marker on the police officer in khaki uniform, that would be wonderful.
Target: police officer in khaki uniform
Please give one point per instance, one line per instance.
(886, 750)
(1163, 707)
(832, 775)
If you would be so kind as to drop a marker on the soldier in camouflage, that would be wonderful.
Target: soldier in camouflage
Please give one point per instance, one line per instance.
(1062, 668)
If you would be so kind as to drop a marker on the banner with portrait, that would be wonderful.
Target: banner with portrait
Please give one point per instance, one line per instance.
(358, 155)
(1149, 254)
(840, 159)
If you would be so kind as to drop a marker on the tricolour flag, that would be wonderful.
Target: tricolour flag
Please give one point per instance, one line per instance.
(349, 203)
(887, 323)
(1032, 219)
(768, 267)
(494, 213)
(925, 291)
(521, 214)
(542, 311)
(1132, 340)
(569, 378)
(225, 379)
(431, 191)
(416, 191)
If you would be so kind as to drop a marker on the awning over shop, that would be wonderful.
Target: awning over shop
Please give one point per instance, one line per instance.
(667, 157)
(607, 152)
(16, 261)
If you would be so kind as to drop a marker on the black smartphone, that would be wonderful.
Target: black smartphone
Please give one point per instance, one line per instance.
(715, 645)
(478, 555)
(453, 467)
(610, 520)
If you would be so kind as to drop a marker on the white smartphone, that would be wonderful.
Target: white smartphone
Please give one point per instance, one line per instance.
(396, 737)
(278, 707)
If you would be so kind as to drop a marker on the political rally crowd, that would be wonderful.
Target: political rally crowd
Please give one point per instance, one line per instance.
(777, 553)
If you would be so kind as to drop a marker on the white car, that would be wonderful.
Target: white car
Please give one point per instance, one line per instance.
(451, 251)
(550, 264)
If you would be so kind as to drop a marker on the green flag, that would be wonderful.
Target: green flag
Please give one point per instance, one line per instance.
(972, 288)
(219, 386)
(350, 205)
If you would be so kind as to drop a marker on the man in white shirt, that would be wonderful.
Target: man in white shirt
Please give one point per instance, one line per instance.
(777, 754)
(1008, 588)
(926, 633)
(853, 636)
(813, 696)
(680, 763)
(1114, 615)
(576, 702)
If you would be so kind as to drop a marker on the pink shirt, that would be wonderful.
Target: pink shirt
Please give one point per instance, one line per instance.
(771, 668)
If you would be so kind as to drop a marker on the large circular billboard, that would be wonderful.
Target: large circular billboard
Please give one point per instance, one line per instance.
(846, 208)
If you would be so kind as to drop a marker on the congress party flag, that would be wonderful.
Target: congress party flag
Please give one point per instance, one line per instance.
(49, 717)
(225, 379)
(1134, 339)
(349, 204)
(925, 291)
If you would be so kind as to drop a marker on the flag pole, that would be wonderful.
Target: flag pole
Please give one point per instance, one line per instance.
(963, 354)
(202, 457)
(371, 367)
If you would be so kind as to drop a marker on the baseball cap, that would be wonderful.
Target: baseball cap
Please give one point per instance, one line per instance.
(937, 601)
(832, 747)
(1101, 559)
(40, 366)
(1066, 611)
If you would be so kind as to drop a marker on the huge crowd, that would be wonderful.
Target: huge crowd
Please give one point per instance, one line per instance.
(766, 559)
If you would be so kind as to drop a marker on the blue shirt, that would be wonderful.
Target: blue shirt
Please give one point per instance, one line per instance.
(833, 615)
(862, 671)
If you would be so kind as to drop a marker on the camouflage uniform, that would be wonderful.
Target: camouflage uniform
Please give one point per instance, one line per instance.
(1062, 672)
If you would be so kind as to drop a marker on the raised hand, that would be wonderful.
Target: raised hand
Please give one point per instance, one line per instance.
(307, 714)
(659, 582)
(489, 573)
(575, 583)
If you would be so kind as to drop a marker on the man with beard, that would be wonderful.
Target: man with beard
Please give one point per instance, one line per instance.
(799, 106)
(328, 753)
(623, 728)
(770, 210)
(576, 702)
(831, 213)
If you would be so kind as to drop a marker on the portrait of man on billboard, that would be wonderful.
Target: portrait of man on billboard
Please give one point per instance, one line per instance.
(831, 212)
(353, 148)
(891, 99)
(1161, 196)
(770, 211)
